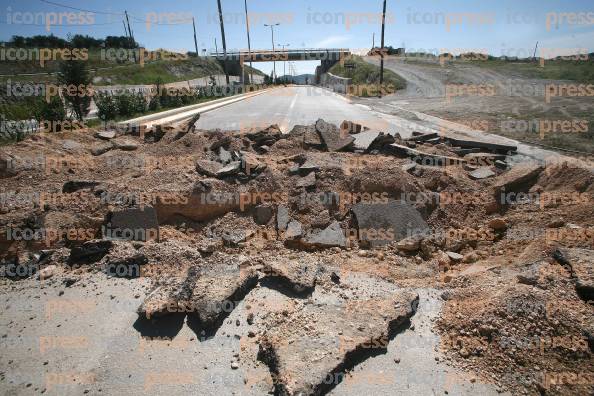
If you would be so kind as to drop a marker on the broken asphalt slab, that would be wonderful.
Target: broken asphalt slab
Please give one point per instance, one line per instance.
(132, 224)
(423, 158)
(483, 172)
(317, 341)
(208, 168)
(369, 140)
(382, 223)
(581, 262)
(331, 236)
(332, 136)
(518, 179)
(470, 144)
(299, 276)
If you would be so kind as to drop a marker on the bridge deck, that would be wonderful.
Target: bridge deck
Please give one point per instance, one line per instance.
(313, 54)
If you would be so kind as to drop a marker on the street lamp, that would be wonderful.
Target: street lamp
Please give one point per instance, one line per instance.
(273, 50)
(382, 50)
(247, 24)
(224, 41)
(284, 61)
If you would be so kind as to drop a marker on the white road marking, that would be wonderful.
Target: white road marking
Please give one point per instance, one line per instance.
(284, 126)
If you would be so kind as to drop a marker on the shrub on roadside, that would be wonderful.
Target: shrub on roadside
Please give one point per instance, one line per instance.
(107, 108)
(53, 111)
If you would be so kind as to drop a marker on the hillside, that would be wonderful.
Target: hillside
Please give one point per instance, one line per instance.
(364, 74)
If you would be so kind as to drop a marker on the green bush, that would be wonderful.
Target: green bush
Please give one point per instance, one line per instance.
(126, 104)
(52, 111)
(74, 73)
(139, 103)
(107, 108)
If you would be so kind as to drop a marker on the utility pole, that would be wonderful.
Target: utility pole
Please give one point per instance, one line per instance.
(534, 56)
(273, 50)
(284, 61)
(382, 53)
(224, 42)
(132, 41)
(195, 42)
(216, 47)
(373, 42)
(247, 24)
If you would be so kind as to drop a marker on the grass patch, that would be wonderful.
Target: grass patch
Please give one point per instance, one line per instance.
(114, 72)
(365, 77)
(579, 71)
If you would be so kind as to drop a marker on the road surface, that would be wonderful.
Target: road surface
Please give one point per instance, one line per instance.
(303, 105)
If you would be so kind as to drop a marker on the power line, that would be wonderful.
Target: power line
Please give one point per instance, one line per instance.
(44, 25)
(81, 9)
(138, 19)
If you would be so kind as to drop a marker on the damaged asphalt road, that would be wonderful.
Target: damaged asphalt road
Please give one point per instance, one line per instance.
(310, 262)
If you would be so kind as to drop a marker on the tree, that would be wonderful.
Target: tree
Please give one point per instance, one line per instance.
(107, 108)
(76, 79)
(52, 112)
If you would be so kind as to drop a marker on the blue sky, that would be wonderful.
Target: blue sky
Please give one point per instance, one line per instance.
(499, 27)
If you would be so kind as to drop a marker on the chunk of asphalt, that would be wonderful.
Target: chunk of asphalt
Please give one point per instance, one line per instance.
(164, 299)
(484, 172)
(520, 178)
(382, 223)
(89, 252)
(503, 148)
(308, 181)
(282, 218)
(482, 159)
(132, 224)
(224, 156)
(308, 166)
(455, 257)
(422, 137)
(105, 135)
(346, 333)
(501, 164)
(125, 144)
(332, 137)
(462, 152)
(100, 149)
(423, 158)
(263, 214)
(364, 140)
(234, 237)
(123, 261)
(218, 284)
(311, 138)
(208, 168)
(267, 136)
(582, 267)
(232, 169)
(298, 276)
(75, 185)
(294, 231)
(331, 236)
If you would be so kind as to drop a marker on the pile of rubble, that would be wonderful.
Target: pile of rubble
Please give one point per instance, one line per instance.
(208, 216)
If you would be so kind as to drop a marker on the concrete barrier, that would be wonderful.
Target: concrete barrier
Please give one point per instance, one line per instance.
(335, 83)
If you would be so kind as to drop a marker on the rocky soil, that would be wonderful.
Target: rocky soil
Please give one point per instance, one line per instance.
(208, 219)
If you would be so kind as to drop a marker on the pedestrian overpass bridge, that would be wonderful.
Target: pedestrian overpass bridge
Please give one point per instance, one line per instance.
(234, 61)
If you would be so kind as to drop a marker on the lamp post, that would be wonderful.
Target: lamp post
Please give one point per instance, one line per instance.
(224, 41)
(382, 50)
(247, 24)
(273, 50)
(285, 61)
